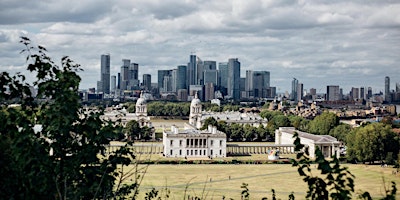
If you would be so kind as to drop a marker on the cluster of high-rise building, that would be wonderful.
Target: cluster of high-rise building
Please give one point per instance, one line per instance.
(334, 93)
(206, 78)
(212, 79)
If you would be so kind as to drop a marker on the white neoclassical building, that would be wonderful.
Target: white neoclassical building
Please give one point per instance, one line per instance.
(326, 143)
(141, 112)
(192, 142)
(124, 116)
(252, 119)
(195, 112)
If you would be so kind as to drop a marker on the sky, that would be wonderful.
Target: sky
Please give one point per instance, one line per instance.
(322, 42)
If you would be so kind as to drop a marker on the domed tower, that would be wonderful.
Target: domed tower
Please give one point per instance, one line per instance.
(195, 112)
(141, 111)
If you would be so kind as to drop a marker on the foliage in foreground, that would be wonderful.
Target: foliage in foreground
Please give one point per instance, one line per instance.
(59, 159)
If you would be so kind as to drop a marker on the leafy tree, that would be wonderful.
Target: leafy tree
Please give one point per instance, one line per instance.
(298, 122)
(276, 122)
(262, 132)
(372, 143)
(340, 132)
(236, 132)
(131, 107)
(249, 132)
(322, 124)
(267, 114)
(59, 160)
(209, 121)
(133, 130)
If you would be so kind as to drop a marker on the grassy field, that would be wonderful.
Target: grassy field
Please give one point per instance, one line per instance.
(216, 181)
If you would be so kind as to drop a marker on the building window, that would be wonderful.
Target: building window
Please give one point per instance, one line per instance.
(187, 143)
(171, 142)
(211, 142)
(204, 152)
(220, 152)
(220, 143)
(171, 152)
(180, 152)
(195, 152)
(211, 152)
(187, 152)
(191, 152)
(180, 142)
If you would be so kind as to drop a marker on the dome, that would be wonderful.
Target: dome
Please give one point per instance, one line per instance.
(141, 100)
(195, 101)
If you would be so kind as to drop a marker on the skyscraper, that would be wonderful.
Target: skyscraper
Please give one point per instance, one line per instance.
(257, 84)
(209, 91)
(133, 76)
(234, 78)
(332, 93)
(147, 82)
(209, 65)
(104, 84)
(293, 95)
(192, 70)
(362, 93)
(387, 89)
(181, 77)
(174, 78)
(160, 79)
(125, 73)
(355, 93)
(113, 83)
(223, 77)
(369, 93)
(299, 92)
(199, 73)
(210, 76)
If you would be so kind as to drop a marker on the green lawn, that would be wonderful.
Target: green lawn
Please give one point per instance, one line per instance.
(215, 181)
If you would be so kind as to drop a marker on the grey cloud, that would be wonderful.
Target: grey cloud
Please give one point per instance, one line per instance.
(20, 12)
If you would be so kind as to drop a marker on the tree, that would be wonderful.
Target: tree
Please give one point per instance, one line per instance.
(59, 160)
(269, 114)
(322, 124)
(372, 143)
(298, 122)
(340, 132)
(133, 130)
(209, 121)
(276, 122)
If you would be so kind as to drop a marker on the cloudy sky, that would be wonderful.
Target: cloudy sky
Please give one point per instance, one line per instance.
(345, 43)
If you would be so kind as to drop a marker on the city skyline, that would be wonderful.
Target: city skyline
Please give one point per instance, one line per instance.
(350, 44)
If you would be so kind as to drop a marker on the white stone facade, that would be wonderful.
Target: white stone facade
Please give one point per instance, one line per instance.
(252, 119)
(195, 112)
(194, 143)
(326, 143)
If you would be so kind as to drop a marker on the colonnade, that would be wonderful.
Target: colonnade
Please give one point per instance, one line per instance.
(231, 149)
(196, 143)
(138, 148)
(237, 149)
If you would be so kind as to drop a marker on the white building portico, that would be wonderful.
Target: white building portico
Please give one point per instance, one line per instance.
(191, 142)
(194, 143)
(326, 143)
